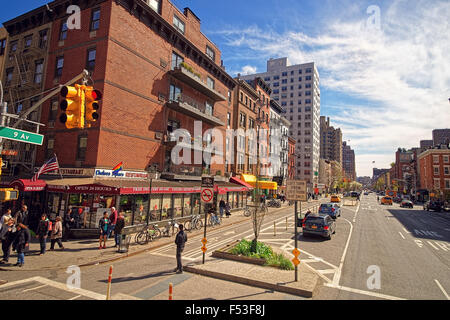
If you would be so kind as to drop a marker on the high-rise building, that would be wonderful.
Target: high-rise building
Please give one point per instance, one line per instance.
(330, 141)
(441, 136)
(296, 89)
(348, 162)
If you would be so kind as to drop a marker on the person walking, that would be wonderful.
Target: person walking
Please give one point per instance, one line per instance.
(221, 207)
(42, 232)
(68, 220)
(112, 220)
(104, 229)
(4, 219)
(21, 243)
(7, 235)
(119, 227)
(180, 241)
(22, 215)
(227, 209)
(57, 233)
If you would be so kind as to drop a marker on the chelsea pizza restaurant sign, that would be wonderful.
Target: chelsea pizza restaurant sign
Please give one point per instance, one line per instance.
(102, 173)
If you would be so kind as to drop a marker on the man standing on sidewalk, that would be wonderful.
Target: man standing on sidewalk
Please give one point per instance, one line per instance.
(42, 232)
(112, 220)
(180, 241)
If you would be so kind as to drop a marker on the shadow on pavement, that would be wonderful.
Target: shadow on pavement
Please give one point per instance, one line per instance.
(143, 277)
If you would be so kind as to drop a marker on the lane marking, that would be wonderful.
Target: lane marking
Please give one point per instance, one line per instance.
(337, 275)
(442, 246)
(406, 230)
(442, 289)
(419, 243)
(373, 294)
(327, 271)
(401, 235)
(26, 290)
(432, 245)
(76, 297)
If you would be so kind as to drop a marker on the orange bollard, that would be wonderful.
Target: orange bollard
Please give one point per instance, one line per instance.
(108, 293)
(170, 291)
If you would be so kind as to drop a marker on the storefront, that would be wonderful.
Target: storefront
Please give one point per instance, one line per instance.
(269, 188)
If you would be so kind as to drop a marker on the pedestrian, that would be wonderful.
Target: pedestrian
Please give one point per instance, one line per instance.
(75, 218)
(7, 235)
(22, 215)
(4, 219)
(227, 209)
(57, 233)
(180, 241)
(221, 207)
(42, 232)
(112, 220)
(104, 229)
(21, 243)
(119, 227)
(68, 220)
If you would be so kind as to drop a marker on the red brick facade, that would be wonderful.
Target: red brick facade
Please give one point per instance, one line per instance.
(434, 166)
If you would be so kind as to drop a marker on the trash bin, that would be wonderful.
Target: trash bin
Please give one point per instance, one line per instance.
(124, 243)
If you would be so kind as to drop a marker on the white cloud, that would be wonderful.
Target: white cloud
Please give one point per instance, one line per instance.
(402, 70)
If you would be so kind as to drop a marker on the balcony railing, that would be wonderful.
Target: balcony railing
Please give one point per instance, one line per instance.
(194, 108)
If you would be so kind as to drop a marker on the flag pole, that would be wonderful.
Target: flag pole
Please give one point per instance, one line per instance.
(57, 162)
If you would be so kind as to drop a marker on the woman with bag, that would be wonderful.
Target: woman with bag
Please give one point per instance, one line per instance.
(21, 243)
(57, 233)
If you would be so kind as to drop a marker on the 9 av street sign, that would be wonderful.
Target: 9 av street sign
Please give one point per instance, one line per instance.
(20, 135)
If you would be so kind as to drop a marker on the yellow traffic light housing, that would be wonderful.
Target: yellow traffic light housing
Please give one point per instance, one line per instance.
(8, 194)
(73, 106)
(92, 97)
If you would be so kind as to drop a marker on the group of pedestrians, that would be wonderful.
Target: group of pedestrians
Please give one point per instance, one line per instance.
(109, 223)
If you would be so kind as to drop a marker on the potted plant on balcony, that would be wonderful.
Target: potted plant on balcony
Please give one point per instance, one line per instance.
(191, 70)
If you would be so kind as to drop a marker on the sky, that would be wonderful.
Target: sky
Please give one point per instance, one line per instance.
(384, 66)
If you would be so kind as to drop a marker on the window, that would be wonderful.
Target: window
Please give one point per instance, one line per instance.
(299, 117)
(19, 107)
(53, 110)
(437, 183)
(82, 147)
(27, 41)
(435, 159)
(175, 93)
(284, 74)
(267, 79)
(59, 66)
(210, 53)
(307, 124)
(307, 93)
(276, 84)
(90, 63)
(176, 60)
(446, 170)
(95, 19)
(436, 170)
(178, 24)
(210, 82)
(276, 77)
(154, 4)
(284, 81)
(276, 91)
(229, 119)
(307, 101)
(50, 146)
(246, 100)
(446, 159)
(38, 70)
(283, 88)
(43, 38)
(9, 75)
(308, 70)
(308, 86)
(2, 46)
(308, 78)
(13, 48)
(242, 120)
(251, 123)
(63, 31)
(209, 109)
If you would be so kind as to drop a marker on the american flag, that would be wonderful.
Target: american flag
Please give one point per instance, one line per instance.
(50, 165)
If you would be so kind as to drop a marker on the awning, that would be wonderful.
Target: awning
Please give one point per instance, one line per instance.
(242, 183)
(248, 178)
(266, 185)
(26, 185)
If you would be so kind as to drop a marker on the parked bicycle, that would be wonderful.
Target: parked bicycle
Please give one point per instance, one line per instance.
(195, 223)
(274, 203)
(148, 234)
(170, 229)
(247, 212)
(214, 219)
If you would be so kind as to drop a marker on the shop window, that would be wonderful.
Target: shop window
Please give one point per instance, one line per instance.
(166, 207)
(177, 205)
(155, 207)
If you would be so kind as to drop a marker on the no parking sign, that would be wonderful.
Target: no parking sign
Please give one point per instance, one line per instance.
(207, 192)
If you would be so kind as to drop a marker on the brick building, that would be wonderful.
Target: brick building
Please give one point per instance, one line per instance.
(435, 172)
(291, 158)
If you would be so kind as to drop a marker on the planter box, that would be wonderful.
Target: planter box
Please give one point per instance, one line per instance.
(224, 254)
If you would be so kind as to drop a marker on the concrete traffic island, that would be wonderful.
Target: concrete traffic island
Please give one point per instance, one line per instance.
(240, 270)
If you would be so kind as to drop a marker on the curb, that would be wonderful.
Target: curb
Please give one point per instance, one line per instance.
(254, 283)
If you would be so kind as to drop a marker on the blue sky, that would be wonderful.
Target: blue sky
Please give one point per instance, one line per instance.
(384, 65)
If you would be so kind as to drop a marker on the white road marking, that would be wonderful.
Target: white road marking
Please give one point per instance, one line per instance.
(76, 297)
(406, 230)
(442, 289)
(419, 243)
(432, 245)
(229, 232)
(401, 235)
(337, 275)
(373, 294)
(34, 288)
(442, 246)
(327, 271)
(356, 213)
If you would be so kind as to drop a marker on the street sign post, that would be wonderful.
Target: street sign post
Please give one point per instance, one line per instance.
(296, 191)
(206, 196)
(20, 135)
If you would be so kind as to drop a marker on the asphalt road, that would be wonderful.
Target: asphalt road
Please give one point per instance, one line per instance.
(378, 252)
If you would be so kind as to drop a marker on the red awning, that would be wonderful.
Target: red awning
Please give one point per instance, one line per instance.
(28, 185)
(242, 183)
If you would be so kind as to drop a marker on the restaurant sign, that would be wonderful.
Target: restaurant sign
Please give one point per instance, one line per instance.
(104, 173)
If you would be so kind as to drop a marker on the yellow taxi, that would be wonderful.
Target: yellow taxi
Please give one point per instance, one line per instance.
(386, 200)
(335, 198)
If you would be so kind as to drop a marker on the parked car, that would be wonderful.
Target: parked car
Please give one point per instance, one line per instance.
(332, 209)
(335, 198)
(366, 193)
(397, 199)
(432, 205)
(321, 225)
(406, 204)
(386, 200)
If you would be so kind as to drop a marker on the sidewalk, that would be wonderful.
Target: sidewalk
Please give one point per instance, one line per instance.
(85, 252)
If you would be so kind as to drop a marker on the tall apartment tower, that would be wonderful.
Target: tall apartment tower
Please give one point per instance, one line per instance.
(348, 161)
(296, 89)
(330, 141)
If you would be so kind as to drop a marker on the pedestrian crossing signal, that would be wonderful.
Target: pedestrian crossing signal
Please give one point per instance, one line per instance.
(8, 194)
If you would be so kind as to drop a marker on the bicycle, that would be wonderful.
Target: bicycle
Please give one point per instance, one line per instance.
(274, 203)
(148, 234)
(195, 223)
(247, 212)
(171, 225)
(213, 219)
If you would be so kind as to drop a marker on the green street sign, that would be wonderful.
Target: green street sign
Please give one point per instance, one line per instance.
(316, 173)
(20, 135)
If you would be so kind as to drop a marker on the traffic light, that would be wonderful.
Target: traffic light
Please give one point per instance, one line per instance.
(1, 165)
(92, 106)
(8, 194)
(73, 106)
